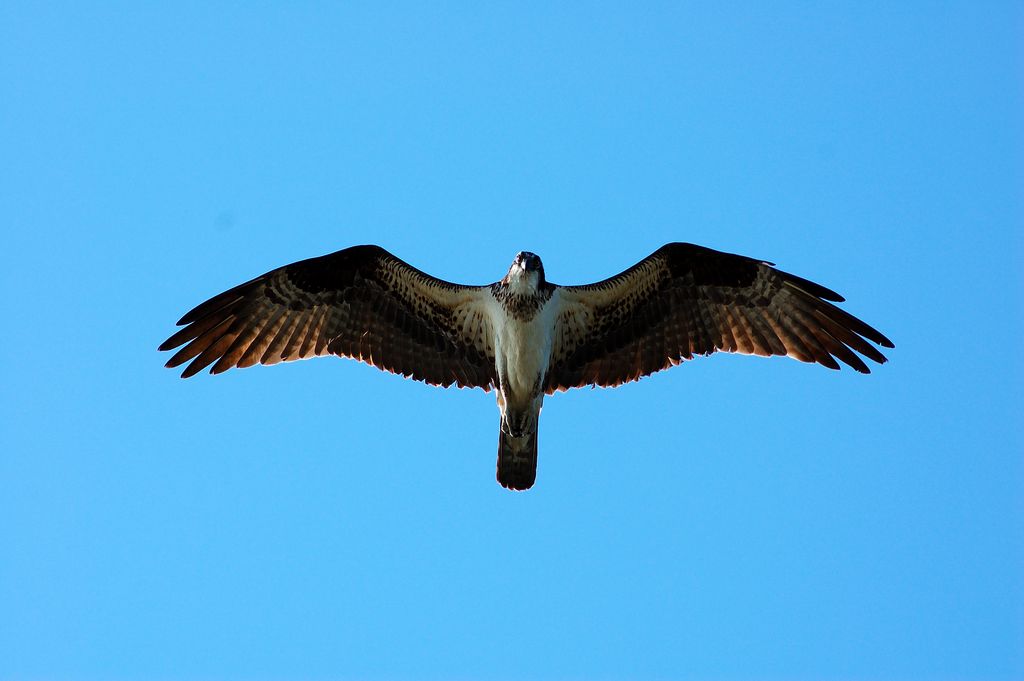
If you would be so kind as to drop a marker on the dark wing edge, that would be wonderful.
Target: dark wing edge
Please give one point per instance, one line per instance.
(684, 301)
(360, 302)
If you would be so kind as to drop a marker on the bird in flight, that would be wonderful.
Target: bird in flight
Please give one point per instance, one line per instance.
(522, 336)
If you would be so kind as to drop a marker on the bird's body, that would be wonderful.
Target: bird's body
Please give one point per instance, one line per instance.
(522, 336)
(522, 314)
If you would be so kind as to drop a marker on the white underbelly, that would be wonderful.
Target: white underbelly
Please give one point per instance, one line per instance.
(525, 353)
(522, 352)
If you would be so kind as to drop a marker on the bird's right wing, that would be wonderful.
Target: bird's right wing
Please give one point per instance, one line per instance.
(361, 302)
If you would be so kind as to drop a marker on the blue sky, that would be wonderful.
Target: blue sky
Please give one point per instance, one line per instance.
(732, 518)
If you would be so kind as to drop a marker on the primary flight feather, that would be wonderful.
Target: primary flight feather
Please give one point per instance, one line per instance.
(522, 336)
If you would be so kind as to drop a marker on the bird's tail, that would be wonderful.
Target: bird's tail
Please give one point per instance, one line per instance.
(517, 460)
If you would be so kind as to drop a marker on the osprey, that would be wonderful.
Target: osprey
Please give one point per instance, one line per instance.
(522, 336)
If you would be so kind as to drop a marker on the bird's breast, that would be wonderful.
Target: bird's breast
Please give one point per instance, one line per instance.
(522, 349)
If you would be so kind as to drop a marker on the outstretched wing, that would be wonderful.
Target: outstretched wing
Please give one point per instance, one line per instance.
(685, 300)
(361, 302)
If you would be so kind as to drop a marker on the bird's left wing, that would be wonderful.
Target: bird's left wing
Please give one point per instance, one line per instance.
(361, 302)
(685, 300)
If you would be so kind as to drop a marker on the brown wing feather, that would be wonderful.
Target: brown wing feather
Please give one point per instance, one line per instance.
(361, 302)
(685, 300)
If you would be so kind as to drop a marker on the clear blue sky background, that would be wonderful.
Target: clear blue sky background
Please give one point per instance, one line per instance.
(731, 518)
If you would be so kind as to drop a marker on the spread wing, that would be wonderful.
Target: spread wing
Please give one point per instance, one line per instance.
(361, 302)
(685, 300)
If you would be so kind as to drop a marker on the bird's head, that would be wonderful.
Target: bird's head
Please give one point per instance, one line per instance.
(526, 273)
